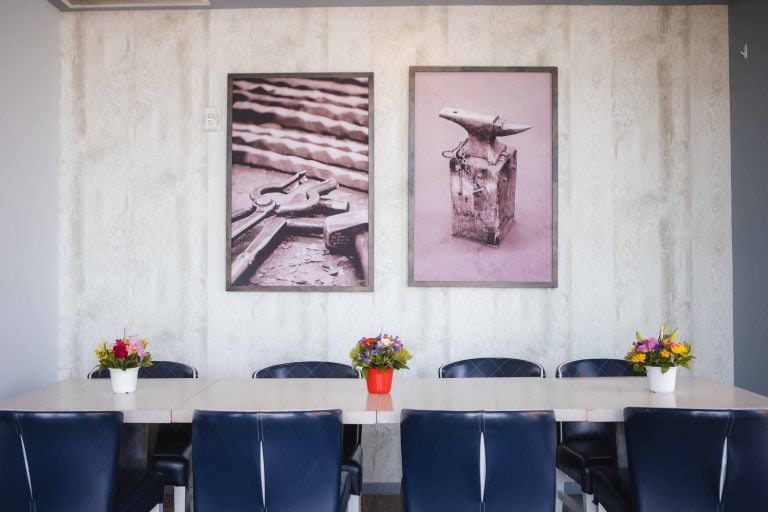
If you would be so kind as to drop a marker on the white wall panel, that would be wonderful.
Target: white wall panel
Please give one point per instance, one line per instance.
(29, 165)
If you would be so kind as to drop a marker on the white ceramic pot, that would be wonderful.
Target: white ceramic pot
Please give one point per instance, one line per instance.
(661, 382)
(124, 381)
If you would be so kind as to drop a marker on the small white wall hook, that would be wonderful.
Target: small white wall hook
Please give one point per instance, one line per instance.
(745, 51)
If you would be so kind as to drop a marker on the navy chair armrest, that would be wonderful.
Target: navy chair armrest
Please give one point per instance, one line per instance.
(345, 490)
(138, 491)
(612, 490)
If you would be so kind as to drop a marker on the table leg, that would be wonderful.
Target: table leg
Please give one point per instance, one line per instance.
(137, 446)
(621, 446)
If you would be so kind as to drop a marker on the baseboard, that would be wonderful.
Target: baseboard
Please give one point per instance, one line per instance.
(381, 488)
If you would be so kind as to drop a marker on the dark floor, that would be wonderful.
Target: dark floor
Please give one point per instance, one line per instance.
(369, 504)
(381, 504)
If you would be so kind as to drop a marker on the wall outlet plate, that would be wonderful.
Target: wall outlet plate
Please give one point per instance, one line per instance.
(212, 119)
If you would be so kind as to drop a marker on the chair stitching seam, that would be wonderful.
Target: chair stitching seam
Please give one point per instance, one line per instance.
(20, 433)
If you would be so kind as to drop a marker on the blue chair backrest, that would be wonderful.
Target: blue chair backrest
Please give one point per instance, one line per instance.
(746, 481)
(307, 370)
(598, 367)
(441, 461)
(158, 370)
(491, 367)
(14, 486)
(675, 458)
(72, 458)
(301, 453)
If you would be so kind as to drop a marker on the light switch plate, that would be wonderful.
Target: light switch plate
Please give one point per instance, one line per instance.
(212, 119)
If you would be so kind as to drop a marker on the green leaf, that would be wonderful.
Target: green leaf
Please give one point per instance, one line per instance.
(673, 336)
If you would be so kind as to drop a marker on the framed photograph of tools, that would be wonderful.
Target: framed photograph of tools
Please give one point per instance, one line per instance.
(483, 177)
(300, 182)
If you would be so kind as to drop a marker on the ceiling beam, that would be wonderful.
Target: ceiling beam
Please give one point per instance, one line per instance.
(259, 4)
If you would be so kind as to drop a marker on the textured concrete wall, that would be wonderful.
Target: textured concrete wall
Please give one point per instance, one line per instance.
(29, 164)
(644, 186)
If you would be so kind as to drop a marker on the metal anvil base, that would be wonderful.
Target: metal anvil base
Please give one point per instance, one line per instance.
(483, 197)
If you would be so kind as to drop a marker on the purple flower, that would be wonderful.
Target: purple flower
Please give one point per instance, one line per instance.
(646, 345)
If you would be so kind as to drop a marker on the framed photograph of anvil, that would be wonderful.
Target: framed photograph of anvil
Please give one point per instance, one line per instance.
(300, 182)
(483, 177)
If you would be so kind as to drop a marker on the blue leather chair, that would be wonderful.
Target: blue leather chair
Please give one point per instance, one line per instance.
(675, 459)
(490, 367)
(174, 441)
(14, 487)
(587, 446)
(352, 451)
(158, 370)
(72, 461)
(684, 444)
(276, 461)
(307, 370)
(746, 478)
(441, 452)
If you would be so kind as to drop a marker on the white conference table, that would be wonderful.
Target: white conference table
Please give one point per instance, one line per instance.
(573, 399)
(349, 395)
(152, 402)
(174, 400)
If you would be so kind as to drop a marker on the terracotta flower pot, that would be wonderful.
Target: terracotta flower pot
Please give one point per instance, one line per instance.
(379, 380)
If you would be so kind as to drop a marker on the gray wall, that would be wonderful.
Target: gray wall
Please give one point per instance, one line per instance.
(29, 159)
(749, 122)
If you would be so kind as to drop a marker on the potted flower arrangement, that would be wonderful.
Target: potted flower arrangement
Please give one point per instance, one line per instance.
(122, 358)
(378, 358)
(659, 358)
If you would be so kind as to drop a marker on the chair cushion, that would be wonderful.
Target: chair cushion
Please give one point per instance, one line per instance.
(138, 491)
(352, 463)
(174, 468)
(579, 459)
(172, 453)
(612, 489)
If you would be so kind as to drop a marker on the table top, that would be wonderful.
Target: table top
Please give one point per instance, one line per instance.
(152, 402)
(572, 399)
(349, 395)
(578, 399)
